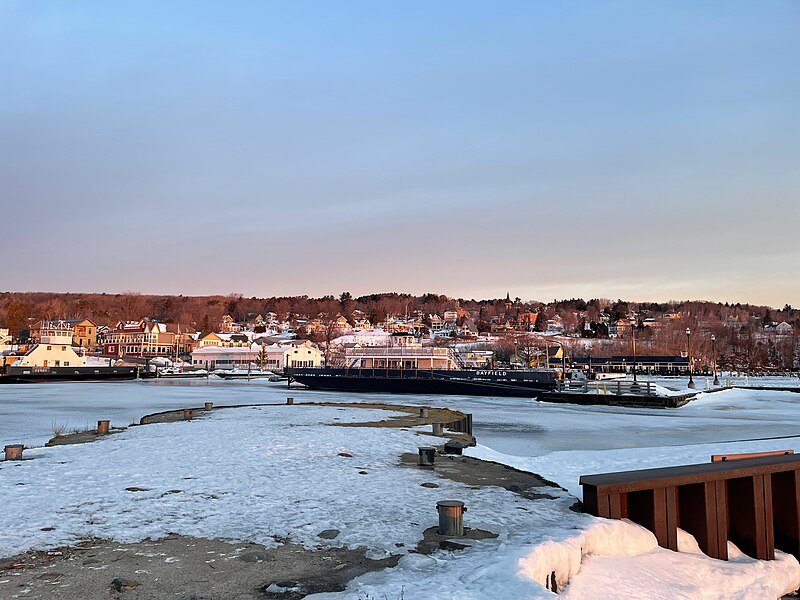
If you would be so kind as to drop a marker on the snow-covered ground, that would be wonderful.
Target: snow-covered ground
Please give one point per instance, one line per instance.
(245, 474)
(260, 472)
(255, 473)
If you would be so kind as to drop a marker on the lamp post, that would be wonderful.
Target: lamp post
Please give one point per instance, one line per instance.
(633, 337)
(689, 352)
(714, 350)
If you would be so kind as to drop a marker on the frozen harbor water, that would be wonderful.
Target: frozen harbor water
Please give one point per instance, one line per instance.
(512, 426)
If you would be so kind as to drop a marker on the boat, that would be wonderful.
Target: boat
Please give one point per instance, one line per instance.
(40, 374)
(462, 382)
(54, 358)
(243, 374)
(179, 373)
(405, 366)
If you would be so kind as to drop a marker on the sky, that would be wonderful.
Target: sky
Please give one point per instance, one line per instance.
(647, 151)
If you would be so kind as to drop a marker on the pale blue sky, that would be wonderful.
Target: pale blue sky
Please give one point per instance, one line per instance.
(553, 149)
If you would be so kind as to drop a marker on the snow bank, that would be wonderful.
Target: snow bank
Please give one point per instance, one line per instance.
(602, 538)
(620, 559)
(664, 575)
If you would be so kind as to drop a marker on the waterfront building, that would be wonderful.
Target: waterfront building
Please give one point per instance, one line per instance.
(148, 339)
(273, 357)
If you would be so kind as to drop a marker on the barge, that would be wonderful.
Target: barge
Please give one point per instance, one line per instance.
(79, 373)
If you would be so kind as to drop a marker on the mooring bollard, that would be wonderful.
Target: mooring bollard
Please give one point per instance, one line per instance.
(453, 448)
(426, 456)
(102, 426)
(209, 405)
(290, 401)
(438, 428)
(14, 451)
(187, 414)
(451, 517)
(423, 412)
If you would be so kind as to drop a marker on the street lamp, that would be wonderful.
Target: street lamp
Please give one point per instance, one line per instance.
(689, 352)
(714, 347)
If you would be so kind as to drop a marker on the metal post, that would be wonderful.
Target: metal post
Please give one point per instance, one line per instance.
(714, 346)
(633, 337)
(689, 353)
(451, 517)
(437, 428)
(426, 456)
(453, 448)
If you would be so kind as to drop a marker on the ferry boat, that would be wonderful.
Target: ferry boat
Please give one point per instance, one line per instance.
(493, 382)
(41, 374)
(405, 367)
(54, 358)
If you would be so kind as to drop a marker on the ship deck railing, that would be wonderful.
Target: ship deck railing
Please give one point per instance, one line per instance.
(605, 388)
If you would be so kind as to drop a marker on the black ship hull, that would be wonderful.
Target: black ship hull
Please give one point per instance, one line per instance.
(52, 374)
(519, 384)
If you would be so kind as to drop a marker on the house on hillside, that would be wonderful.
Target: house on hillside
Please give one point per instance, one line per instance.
(778, 329)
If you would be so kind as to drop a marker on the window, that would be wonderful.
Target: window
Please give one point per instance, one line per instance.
(49, 347)
(63, 348)
(66, 363)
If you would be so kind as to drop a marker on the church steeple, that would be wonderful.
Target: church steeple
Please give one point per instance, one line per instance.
(509, 304)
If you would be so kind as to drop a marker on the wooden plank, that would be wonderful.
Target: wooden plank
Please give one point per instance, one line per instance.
(627, 481)
(712, 542)
(672, 518)
(615, 503)
(721, 495)
(660, 525)
(603, 506)
(769, 521)
(760, 533)
(726, 457)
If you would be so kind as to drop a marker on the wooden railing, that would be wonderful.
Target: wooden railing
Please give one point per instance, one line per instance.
(604, 388)
(753, 502)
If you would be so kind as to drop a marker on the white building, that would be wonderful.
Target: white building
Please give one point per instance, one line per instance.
(5, 340)
(364, 338)
(54, 349)
(274, 357)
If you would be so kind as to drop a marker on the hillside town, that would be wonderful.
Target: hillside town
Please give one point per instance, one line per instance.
(219, 333)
